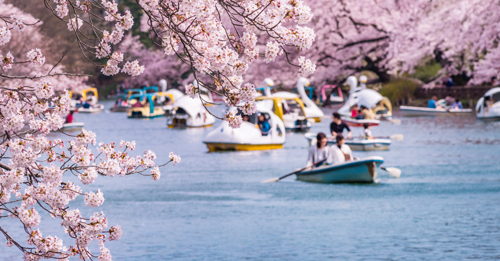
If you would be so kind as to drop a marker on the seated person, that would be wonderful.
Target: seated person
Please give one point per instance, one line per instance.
(367, 133)
(432, 103)
(92, 99)
(354, 111)
(487, 103)
(137, 103)
(85, 105)
(320, 153)
(264, 125)
(340, 151)
(367, 113)
(69, 118)
(457, 104)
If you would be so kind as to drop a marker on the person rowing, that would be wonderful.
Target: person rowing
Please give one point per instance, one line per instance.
(338, 126)
(320, 152)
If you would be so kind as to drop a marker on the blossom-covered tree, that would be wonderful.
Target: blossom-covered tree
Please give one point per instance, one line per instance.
(215, 38)
(16, 48)
(391, 37)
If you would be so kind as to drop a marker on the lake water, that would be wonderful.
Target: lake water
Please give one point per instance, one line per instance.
(213, 206)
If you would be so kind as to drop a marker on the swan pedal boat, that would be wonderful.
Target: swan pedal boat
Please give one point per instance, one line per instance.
(248, 137)
(356, 171)
(361, 96)
(424, 111)
(356, 144)
(490, 112)
(189, 113)
(359, 123)
(74, 126)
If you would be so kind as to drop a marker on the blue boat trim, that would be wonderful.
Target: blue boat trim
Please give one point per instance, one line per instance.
(334, 167)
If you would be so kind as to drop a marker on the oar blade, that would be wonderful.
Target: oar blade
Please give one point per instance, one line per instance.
(395, 172)
(397, 137)
(271, 180)
(396, 121)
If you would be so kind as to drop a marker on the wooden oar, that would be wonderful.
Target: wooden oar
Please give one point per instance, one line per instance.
(295, 172)
(395, 172)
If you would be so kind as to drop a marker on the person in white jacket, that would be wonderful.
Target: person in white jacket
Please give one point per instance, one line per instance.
(341, 152)
(320, 152)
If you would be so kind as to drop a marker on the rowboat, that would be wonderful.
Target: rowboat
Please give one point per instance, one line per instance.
(355, 171)
(356, 144)
(424, 111)
(74, 126)
(359, 123)
(93, 109)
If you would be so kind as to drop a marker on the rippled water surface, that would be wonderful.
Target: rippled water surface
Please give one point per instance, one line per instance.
(213, 206)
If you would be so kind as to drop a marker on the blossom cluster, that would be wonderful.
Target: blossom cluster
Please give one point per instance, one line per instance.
(33, 166)
(197, 31)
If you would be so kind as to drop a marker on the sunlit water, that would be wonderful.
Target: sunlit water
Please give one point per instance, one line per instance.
(213, 206)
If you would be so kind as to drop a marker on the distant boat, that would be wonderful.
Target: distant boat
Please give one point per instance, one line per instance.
(189, 113)
(489, 110)
(248, 136)
(336, 95)
(361, 96)
(355, 171)
(89, 96)
(92, 109)
(74, 126)
(356, 144)
(424, 111)
(147, 106)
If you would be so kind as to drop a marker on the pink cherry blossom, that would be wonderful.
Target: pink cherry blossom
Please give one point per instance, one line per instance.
(7, 61)
(175, 158)
(36, 57)
(94, 199)
(115, 233)
(5, 35)
(233, 120)
(75, 24)
(133, 68)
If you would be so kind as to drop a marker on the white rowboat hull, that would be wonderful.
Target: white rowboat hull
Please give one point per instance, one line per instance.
(74, 126)
(422, 111)
(356, 144)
